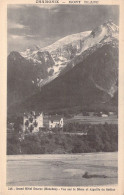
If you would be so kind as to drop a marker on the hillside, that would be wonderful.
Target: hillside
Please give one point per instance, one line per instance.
(76, 71)
(91, 82)
(103, 140)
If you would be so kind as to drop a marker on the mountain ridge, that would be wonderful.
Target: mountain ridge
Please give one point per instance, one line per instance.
(47, 66)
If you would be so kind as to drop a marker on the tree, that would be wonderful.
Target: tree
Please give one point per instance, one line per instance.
(18, 125)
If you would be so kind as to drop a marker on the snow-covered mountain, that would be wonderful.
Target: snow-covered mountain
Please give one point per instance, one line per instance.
(60, 54)
(30, 70)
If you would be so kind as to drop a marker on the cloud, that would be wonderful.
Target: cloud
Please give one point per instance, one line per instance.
(13, 25)
(17, 37)
(44, 23)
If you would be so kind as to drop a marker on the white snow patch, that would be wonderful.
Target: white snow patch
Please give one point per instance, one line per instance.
(49, 69)
(66, 40)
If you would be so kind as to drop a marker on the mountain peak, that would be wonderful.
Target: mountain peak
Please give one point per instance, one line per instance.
(77, 65)
(14, 55)
(111, 26)
(62, 55)
(107, 29)
(33, 47)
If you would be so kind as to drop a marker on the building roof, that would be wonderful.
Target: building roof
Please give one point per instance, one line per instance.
(32, 113)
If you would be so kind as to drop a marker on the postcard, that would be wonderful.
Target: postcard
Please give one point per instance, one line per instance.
(62, 97)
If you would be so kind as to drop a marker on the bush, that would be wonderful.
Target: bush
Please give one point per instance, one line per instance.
(99, 138)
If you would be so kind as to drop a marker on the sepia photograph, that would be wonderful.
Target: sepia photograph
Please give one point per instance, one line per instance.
(62, 95)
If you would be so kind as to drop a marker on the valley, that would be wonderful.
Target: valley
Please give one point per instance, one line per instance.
(62, 170)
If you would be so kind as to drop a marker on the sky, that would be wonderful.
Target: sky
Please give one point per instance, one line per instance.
(42, 25)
